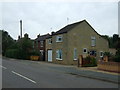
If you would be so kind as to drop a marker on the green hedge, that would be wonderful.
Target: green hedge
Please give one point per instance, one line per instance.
(93, 62)
(12, 53)
(34, 53)
(116, 58)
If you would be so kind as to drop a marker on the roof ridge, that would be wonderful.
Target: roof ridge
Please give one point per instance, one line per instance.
(67, 28)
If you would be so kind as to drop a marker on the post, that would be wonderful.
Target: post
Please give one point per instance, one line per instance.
(80, 60)
(21, 28)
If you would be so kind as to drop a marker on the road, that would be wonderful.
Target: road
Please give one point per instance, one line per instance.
(32, 74)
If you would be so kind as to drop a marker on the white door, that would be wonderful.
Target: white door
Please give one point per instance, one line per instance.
(49, 55)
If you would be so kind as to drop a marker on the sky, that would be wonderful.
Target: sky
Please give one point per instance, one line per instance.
(46, 16)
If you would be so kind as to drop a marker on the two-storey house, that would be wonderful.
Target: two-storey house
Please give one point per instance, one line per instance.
(39, 44)
(74, 40)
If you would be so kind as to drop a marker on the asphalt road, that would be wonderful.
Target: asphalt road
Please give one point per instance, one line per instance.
(29, 74)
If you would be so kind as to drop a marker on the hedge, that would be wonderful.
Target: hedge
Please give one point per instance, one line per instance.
(12, 53)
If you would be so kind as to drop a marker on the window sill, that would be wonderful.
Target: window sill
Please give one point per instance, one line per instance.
(93, 45)
(75, 59)
(59, 59)
(58, 41)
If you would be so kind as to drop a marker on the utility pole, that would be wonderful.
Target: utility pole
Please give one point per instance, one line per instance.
(20, 28)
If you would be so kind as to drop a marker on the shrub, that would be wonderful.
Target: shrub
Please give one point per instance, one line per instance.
(34, 53)
(107, 54)
(92, 60)
(116, 58)
(12, 53)
(88, 58)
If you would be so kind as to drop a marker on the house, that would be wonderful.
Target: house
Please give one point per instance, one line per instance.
(48, 50)
(39, 44)
(74, 40)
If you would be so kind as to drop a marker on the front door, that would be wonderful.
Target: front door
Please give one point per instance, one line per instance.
(49, 55)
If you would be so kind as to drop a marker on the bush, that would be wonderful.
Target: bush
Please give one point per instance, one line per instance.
(34, 53)
(12, 53)
(116, 58)
(92, 63)
(107, 54)
(88, 58)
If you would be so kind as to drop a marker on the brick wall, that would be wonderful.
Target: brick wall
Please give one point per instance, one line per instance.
(109, 66)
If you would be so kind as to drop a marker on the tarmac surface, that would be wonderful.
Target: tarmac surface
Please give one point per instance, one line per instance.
(49, 75)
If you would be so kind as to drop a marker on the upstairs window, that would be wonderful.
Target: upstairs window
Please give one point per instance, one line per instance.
(50, 41)
(59, 39)
(59, 54)
(93, 41)
(41, 43)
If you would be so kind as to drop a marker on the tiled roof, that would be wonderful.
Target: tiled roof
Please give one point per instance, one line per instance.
(42, 37)
(67, 28)
(49, 37)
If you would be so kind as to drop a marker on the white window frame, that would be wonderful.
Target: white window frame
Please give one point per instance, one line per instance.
(49, 41)
(93, 41)
(57, 38)
(84, 49)
(102, 53)
(75, 54)
(41, 45)
(41, 51)
(58, 54)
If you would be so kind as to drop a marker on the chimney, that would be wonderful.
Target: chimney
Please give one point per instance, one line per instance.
(18, 37)
(52, 32)
(38, 36)
(21, 28)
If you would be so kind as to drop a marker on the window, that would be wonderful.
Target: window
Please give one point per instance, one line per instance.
(59, 54)
(50, 41)
(93, 53)
(41, 52)
(93, 41)
(101, 53)
(75, 54)
(41, 43)
(59, 39)
(84, 50)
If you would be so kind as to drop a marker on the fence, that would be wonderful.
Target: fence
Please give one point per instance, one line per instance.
(109, 66)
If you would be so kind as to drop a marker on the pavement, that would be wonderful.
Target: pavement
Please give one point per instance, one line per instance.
(89, 72)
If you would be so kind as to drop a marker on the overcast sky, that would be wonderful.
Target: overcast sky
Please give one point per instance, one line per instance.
(44, 17)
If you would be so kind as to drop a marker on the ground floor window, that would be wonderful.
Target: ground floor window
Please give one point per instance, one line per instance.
(84, 50)
(59, 54)
(75, 54)
(93, 53)
(101, 53)
(41, 52)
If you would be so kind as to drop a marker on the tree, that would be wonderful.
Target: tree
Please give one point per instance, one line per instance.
(112, 40)
(25, 46)
(7, 41)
